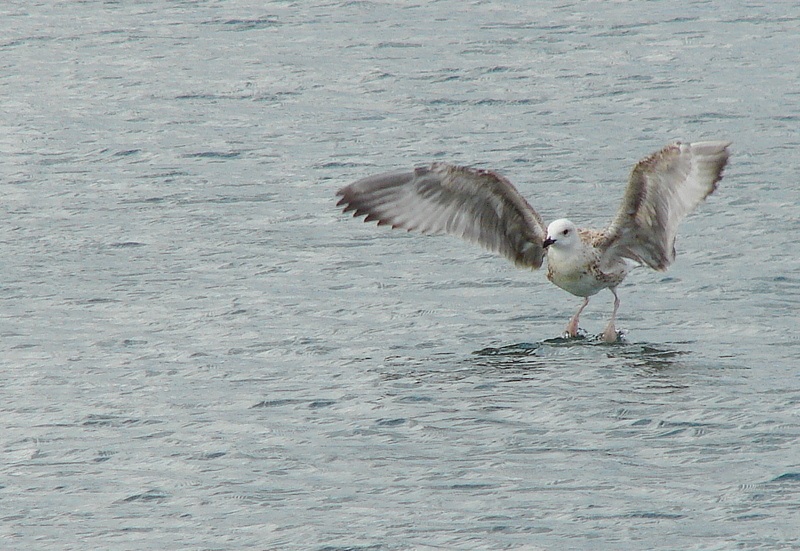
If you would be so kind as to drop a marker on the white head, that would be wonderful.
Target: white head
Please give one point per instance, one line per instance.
(562, 234)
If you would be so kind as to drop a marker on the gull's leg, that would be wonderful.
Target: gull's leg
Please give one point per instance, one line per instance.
(610, 334)
(572, 326)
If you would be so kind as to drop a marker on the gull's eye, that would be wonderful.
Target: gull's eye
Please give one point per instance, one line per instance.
(565, 232)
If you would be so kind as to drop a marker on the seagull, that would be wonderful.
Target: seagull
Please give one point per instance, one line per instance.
(483, 207)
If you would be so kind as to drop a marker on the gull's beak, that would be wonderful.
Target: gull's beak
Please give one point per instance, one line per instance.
(547, 242)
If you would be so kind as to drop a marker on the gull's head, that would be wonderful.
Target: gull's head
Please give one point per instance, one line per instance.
(561, 234)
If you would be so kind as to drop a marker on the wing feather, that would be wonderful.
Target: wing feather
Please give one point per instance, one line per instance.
(479, 206)
(663, 189)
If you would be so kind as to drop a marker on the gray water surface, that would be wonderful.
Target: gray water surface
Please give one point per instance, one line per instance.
(199, 351)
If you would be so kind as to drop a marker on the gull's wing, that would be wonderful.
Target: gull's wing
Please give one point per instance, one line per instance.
(477, 205)
(663, 189)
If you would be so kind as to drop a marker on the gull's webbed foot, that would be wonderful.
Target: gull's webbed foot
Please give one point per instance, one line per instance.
(611, 335)
(572, 328)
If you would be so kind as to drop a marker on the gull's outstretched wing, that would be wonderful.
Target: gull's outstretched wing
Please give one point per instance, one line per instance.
(477, 205)
(663, 189)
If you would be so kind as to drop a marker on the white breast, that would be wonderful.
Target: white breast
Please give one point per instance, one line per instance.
(579, 273)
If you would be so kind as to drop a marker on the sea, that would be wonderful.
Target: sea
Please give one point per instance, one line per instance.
(200, 351)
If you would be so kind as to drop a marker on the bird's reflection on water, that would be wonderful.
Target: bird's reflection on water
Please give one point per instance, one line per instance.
(549, 351)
